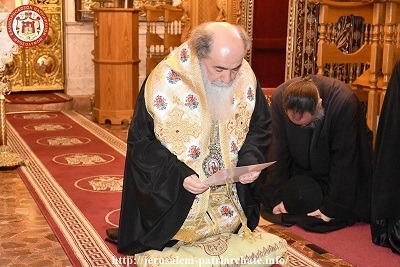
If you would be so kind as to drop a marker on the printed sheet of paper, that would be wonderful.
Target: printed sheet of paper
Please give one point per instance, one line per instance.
(231, 175)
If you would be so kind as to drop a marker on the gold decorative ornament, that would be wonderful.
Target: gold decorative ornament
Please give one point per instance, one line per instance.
(40, 67)
(8, 158)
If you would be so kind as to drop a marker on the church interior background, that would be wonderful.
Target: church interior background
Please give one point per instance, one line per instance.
(285, 35)
(65, 61)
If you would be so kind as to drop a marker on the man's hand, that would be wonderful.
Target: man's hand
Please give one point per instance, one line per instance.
(249, 177)
(318, 214)
(280, 208)
(193, 184)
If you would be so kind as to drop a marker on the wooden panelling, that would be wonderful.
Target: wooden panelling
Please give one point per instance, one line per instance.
(116, 59)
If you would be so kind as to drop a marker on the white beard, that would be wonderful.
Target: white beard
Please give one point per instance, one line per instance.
(219, 98)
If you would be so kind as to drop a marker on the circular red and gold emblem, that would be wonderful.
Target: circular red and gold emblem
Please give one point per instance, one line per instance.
(27, 25)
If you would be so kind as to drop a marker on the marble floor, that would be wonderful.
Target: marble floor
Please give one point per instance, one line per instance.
(26, 239)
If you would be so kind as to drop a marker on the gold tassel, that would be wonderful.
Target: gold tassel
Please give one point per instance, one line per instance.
(246, 233)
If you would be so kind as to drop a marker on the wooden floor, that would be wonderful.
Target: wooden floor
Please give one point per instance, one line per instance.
(26, 239)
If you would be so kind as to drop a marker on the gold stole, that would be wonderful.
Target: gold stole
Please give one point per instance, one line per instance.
(176, 100)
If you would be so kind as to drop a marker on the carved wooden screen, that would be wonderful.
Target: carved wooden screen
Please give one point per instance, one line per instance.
(303, 38)
(301, 42)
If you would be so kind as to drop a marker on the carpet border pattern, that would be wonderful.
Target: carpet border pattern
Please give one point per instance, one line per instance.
(87, 247)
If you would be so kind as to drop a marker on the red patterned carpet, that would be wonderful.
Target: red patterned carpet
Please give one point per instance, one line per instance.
(353, 244)
(75, 175)
(36, 98)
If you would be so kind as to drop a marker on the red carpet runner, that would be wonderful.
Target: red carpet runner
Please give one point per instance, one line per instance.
(36, 98)
(75, 175)
(353, 244)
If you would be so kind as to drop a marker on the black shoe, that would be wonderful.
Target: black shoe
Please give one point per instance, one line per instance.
(394, 237)
(112, 234)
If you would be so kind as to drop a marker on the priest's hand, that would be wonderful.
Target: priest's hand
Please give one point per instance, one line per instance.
(249, 177)
(193, 184)
(278, 209)
(318, 214)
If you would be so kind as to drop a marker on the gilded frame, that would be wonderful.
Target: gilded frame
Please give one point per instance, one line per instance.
(301, 42)
(246, 21)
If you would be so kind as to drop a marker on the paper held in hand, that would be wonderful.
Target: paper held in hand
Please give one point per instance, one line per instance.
(226, 176)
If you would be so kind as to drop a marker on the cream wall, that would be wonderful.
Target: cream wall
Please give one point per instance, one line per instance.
(79, 67)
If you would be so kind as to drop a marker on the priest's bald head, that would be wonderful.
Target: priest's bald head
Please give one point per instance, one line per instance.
(220, 47)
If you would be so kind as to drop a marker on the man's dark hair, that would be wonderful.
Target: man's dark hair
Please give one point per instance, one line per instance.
(301, 96)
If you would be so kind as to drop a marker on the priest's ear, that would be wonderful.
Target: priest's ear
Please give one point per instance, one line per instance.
(319, 102)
